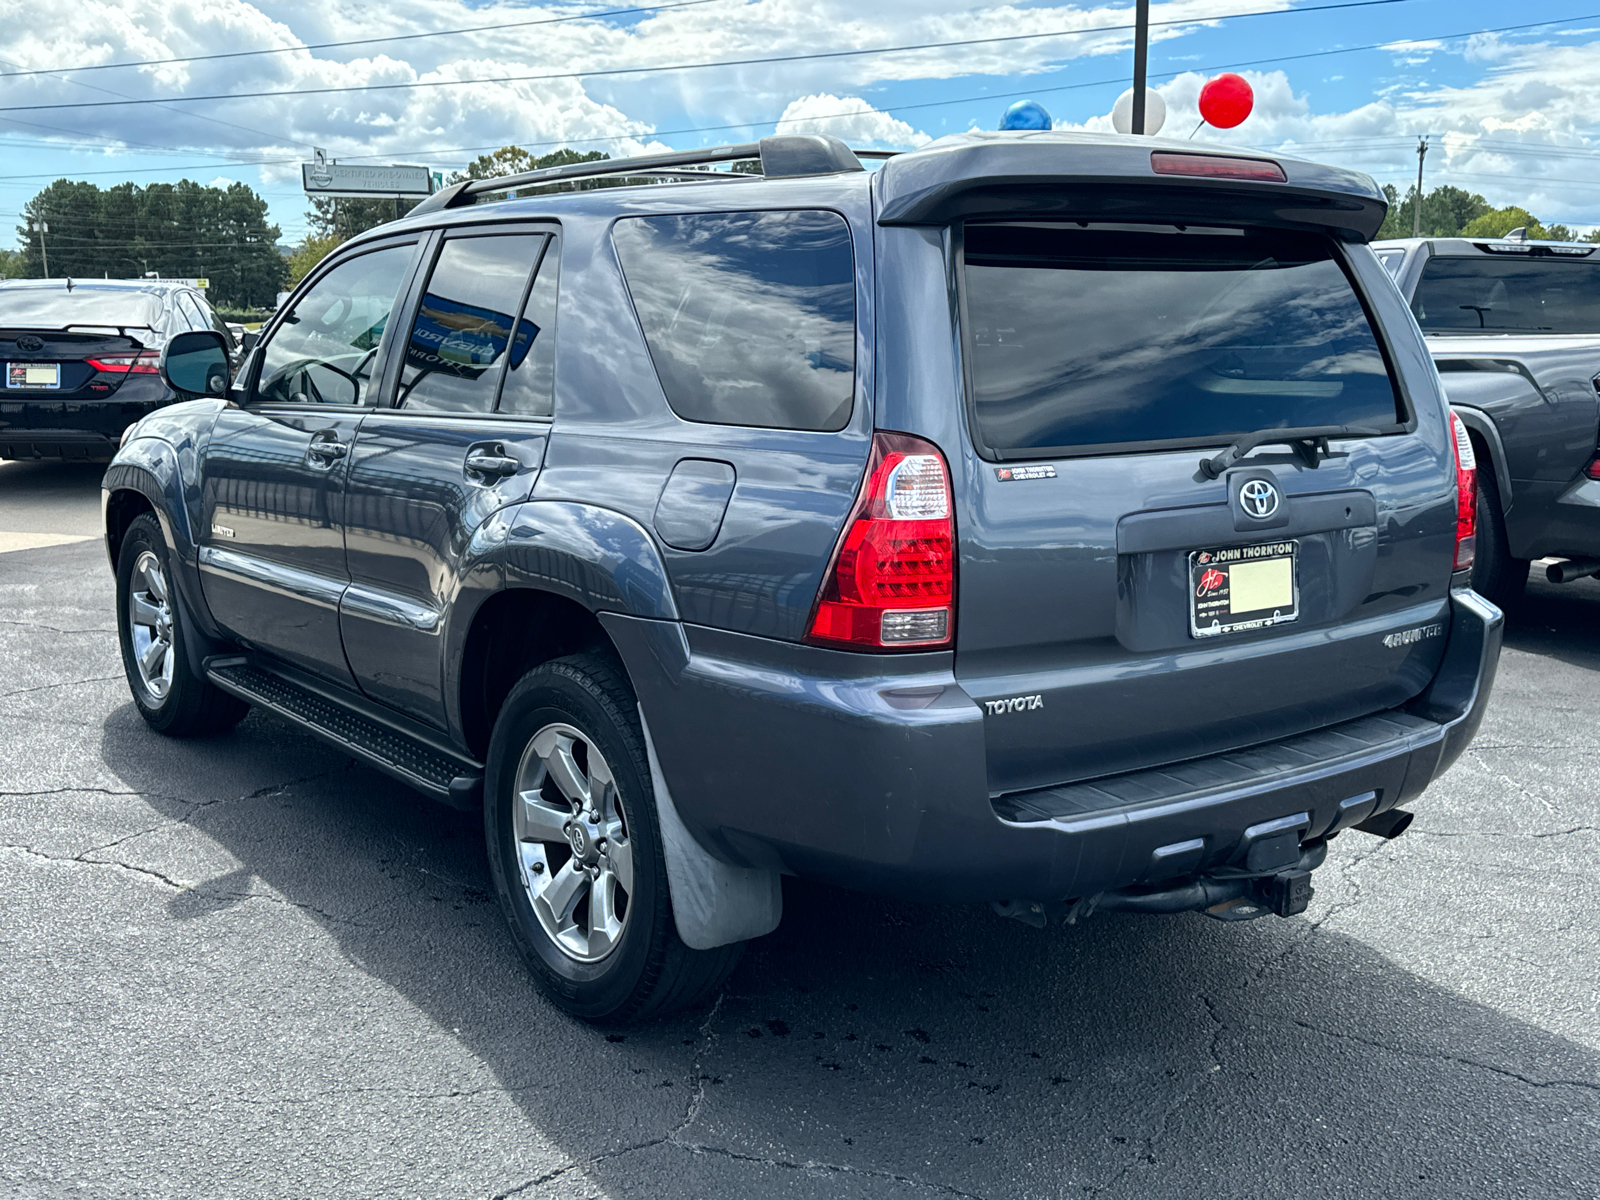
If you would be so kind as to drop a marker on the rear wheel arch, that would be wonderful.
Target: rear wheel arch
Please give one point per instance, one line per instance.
(513, 631)
(124, 506)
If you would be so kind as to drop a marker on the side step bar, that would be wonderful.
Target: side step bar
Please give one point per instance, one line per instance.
(432, 770)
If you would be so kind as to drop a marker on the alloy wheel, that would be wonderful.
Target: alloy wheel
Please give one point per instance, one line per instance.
(573, 849)
(150, 626)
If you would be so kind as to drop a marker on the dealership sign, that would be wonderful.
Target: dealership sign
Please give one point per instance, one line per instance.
(324, 178)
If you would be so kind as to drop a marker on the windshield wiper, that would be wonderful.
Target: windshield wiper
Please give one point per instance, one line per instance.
(1310, 444)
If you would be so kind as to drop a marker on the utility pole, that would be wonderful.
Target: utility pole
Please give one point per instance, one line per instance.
(1141, 52)
(1416, 212)
(44, 228)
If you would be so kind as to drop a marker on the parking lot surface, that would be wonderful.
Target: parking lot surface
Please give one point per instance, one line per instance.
(246, 966)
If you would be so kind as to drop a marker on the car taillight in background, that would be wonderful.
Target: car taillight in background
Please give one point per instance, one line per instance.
(146, 363)
(1593, 469)
(891, 584)
(1466, 495)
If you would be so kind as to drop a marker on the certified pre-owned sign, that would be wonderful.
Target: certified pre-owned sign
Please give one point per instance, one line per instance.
(322, 178)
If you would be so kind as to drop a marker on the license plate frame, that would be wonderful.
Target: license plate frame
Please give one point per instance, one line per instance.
(1272, 572)
(29, 377)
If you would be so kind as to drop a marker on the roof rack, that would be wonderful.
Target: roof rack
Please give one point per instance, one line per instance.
(782, 156)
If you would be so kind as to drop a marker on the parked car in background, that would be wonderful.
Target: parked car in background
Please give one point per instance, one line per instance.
(1065, 521)
(80, 360)
(1514, 327)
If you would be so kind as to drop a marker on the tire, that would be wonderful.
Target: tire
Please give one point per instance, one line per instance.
(169, 695)
(590, 911)
(1495, 574)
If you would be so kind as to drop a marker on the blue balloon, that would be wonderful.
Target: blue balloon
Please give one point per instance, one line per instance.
(1026, 114)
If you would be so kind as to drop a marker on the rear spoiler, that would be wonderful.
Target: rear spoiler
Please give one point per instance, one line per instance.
(1098, 177)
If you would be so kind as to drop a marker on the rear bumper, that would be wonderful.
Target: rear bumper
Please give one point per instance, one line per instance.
(77, 429)
(824, 764)
(1552, 521)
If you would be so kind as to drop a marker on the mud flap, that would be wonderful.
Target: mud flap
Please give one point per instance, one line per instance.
(713, 904)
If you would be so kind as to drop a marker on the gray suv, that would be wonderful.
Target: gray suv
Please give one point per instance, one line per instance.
(1059, 521)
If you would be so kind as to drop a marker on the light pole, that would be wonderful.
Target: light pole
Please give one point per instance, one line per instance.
(1141, 53)
(1416, 213)
(43, 227)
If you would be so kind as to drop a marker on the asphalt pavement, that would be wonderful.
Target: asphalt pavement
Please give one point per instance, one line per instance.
(245, 966)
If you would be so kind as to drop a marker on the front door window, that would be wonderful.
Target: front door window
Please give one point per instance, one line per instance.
(323, 351)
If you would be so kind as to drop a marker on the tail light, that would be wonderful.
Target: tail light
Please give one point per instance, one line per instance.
(1466, 495)
(147, 363)
(1216, 166)
(1593, 469)
(891, 584)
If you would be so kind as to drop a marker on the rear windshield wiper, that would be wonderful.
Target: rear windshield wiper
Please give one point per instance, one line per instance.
(1309, 443)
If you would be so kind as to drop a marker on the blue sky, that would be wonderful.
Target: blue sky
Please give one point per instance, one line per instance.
(1512, 115)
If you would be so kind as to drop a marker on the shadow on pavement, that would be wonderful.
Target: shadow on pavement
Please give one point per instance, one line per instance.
(1141, 1056)
(1558, 620)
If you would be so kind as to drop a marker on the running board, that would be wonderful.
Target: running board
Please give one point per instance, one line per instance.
(455, 780)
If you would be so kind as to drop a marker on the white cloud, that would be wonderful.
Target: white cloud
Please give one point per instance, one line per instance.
(851, 119)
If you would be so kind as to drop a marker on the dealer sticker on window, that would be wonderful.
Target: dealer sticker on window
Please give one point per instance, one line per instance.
(1243, 587)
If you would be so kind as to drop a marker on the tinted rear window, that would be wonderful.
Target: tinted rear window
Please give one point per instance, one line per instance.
(750, 317)
(1508, 295)
(52, 308)
(1082, 338)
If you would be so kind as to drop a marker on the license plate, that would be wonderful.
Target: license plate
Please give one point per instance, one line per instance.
(1243, 587)
(33, 375)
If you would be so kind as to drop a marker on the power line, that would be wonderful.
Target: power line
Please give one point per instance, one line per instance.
(398, 37)
(738, 62)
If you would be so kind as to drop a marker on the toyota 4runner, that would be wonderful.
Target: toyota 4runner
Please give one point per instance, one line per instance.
(1063, 521)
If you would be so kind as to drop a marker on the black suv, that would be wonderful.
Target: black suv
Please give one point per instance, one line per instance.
(81, 359)
(1514, 328)
(1060, 521)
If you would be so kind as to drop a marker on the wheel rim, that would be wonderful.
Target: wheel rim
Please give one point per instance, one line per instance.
(573, 849)
(150, 626)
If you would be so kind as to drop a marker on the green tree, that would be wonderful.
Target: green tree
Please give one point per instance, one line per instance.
(344, 216)
(174, 230)
(1558, 233)
(308, 254)
(513, 160)
(13, 264)
(1500, 221)
(1445, 211)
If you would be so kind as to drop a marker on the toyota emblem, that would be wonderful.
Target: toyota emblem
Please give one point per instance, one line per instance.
(1259, 499)
(30, 343)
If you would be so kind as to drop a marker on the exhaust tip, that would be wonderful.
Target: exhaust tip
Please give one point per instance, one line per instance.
(1569, 570)
(1388, 825)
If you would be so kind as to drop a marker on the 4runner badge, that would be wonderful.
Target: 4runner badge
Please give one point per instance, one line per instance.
(1407, 637)
(1013, 704)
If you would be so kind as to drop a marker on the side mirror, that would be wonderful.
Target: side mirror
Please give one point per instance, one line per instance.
(248, 342)
(196, 363)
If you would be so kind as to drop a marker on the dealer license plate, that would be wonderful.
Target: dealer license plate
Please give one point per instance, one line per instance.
(1243, 587)
(33, 375)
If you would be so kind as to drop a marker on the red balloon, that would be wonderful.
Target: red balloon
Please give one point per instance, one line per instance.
(1226, 101)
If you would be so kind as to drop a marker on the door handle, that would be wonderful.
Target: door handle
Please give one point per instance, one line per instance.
(327, 448)
(491, 465)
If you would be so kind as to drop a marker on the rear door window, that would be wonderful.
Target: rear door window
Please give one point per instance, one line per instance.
(750, 316)
(1087, 339)
(467, 326)
(1512, 294)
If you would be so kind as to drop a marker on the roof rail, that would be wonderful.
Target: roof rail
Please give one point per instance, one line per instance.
(783, 156)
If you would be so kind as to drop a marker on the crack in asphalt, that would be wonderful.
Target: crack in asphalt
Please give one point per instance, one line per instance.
(1587, 1085)
(51, 628)
(44, 687)
(1502, 833)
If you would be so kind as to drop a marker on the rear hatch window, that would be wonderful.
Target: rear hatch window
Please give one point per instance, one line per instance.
(1088, 339)
(49, 308)
(1524, 294)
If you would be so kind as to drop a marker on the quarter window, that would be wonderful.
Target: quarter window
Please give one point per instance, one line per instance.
(323, 351)
(750, 317)
(467, 323)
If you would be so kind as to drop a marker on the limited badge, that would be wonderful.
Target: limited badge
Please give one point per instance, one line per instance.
(1036, 471)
